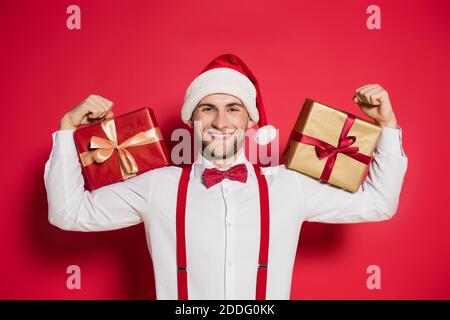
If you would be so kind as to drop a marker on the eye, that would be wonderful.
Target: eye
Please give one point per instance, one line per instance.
(234, 109)
(206, 109)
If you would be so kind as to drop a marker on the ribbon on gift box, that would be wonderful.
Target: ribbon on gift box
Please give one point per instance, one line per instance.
(326, 150)
(104, 148)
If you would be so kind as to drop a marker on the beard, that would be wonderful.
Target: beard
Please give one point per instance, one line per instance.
(213, 150)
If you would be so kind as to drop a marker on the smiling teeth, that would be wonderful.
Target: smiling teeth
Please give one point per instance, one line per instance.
(221, 134)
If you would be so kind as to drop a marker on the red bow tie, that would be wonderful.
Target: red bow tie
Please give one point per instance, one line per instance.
(213, 176)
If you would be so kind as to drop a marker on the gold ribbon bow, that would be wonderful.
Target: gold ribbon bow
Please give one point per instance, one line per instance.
(105, 148)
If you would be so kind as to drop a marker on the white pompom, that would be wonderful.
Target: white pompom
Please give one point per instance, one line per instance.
(265, 135)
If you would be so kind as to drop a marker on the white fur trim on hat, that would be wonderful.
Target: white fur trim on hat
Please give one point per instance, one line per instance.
(220, 80)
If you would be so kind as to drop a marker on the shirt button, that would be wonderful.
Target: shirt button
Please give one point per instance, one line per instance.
(229, 263)
(228, 224)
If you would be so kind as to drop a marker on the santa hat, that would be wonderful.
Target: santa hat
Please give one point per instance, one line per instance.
(228, 74)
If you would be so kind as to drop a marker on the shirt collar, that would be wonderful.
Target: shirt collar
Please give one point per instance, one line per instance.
(201, 163)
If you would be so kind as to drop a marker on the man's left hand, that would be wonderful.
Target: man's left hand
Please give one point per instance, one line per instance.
(374, 102)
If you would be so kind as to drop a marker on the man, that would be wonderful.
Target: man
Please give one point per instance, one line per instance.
(222, 215)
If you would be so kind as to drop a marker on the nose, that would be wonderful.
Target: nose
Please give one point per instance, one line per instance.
(220, 121)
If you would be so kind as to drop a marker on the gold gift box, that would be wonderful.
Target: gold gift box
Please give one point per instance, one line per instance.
(324, 123)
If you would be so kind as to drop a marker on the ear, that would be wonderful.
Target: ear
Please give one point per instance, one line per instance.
(190, 122)
(250, 124)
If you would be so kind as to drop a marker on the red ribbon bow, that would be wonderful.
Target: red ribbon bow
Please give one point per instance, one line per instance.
(326, 150)
(213, 176)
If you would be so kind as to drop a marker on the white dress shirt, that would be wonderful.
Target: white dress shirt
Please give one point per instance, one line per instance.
(222, 223)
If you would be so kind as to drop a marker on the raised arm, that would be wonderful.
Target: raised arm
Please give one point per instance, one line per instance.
(70, 206)
(377, 199)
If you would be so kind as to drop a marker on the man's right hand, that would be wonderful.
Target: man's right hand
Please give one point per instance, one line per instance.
(93, 109)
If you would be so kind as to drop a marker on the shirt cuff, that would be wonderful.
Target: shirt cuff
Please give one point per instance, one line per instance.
(391, 141)
(63, 143)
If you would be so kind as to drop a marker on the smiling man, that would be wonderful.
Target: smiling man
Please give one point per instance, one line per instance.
(222, 228)
(222, 123)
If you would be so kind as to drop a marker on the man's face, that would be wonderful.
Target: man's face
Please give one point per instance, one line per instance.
(221, 121)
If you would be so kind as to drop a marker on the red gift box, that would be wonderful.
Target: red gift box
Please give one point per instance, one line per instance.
(120, 148)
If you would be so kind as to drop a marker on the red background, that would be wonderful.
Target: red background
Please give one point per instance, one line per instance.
(145, 53)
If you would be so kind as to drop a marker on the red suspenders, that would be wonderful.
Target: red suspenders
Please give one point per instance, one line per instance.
(181, 234)
(261, 278)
